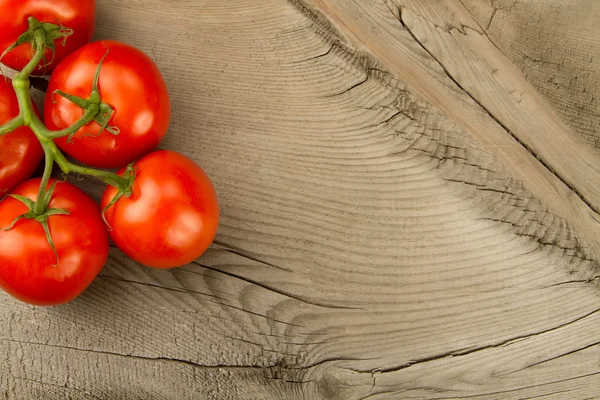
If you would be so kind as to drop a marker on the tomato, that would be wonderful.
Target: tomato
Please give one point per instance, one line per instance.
(171, 218)
(20, 151)
(28, 269)
(131, 83)
(78, 15)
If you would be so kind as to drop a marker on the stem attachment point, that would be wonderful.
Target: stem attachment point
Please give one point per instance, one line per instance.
(41, 218)
(103, 111)
(48, 33)
(129, 175)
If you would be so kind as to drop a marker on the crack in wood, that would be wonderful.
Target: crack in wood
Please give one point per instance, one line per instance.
(153, 285)
(483, 31)
(365, 62)
(547, 394)
(498, 121)
(524, 228)
(480, 167)
(522, 387)
(145, 358)
(212, 298)
(500, 392)
(491, 18)
(448, 28)
(317, 56)
(279, 291)
(561, 355)
(322, 25)
(328, 360)
(394, 115)
(471, 350)
(589, 280)
(351, 87)
(239, 252)
(577, 251)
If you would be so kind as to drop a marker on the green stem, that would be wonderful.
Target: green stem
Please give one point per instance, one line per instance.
(38, 56)
(21, 86)
(40, 206)
(43, 36)
(11, 125)
(27, 117)
(86, 118)
(67, 167)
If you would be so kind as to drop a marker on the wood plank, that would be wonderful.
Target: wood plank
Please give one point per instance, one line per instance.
(557, 48)
(393, 42)
(82, 374)
(382, 235)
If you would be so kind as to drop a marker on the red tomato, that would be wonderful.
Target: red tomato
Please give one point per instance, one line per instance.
(172, 215)
(28, 269)
(131, 83)
(20, 151)
(79, 15)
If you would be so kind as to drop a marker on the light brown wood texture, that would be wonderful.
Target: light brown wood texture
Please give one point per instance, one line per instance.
(404, 216)
(556, 44)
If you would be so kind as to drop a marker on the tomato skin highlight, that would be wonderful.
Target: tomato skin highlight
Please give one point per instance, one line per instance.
(172, 216)
(131, 83)
(79, 15)
(20, 151)
(26, 258)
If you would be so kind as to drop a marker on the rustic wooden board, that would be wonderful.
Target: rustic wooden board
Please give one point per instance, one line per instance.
(557, 47)
(404, 216)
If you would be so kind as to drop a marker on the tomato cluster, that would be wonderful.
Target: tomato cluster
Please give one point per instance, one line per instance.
(106, 106)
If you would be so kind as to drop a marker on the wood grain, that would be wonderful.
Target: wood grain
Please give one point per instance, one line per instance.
(557, 48)
(394, 224)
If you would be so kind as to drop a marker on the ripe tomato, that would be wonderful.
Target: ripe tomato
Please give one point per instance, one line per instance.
(79, 15)
(20, 151)
(28, 269)
(172, 215)
(131, 83)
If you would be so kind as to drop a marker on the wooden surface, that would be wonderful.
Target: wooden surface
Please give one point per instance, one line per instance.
(556, 45)
(408, 212)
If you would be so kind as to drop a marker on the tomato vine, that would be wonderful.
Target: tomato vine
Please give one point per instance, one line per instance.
(160, 208)
(94, 110)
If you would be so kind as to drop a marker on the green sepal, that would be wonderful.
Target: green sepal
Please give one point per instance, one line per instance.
(30, 204)
(49, 192)
(42, 218)
(54, 32)
(109, 205)
(25, 200)
(56, 211)
(129, 174)
(97, 75)
(46, 228)
(26, 37)
(14, 222)
(80, 101)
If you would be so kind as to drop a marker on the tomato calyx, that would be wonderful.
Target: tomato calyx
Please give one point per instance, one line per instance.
(42, 217)
(49, 32)
(129, 176)
(94, 103)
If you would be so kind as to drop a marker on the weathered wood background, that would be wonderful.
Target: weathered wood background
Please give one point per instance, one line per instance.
(409, 191)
